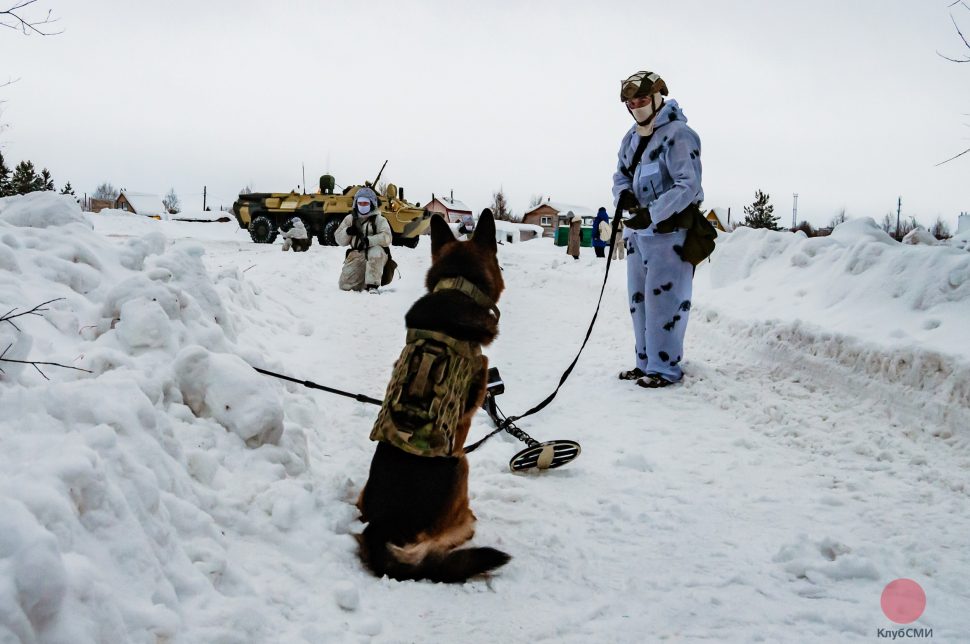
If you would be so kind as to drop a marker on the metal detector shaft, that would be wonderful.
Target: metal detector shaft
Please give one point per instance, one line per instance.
(503, 423)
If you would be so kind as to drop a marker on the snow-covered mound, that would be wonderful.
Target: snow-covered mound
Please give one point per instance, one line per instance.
(960, 240)
(857, 282)
(920, 236)
(104, 529)
(117, 223)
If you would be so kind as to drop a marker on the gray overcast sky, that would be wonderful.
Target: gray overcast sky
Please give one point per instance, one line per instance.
(845, 102)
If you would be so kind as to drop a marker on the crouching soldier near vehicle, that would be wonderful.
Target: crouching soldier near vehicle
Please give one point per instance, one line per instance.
(295, 236)
(368, 234)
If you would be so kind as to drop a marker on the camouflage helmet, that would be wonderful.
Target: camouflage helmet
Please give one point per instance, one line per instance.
(641, 85)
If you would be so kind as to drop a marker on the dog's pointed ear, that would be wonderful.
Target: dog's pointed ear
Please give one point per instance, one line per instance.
(441, 235)
(485, 231)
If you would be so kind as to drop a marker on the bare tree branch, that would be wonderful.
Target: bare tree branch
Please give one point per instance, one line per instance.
(6, 317)
(962, 37)
(14, 20)
(952, 158)
(966, 44)
(34, 363)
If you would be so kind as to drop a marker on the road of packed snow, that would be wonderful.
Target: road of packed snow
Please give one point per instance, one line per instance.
(817, 450)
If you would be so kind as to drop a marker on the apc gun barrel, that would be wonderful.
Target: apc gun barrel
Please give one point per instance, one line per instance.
(379, 174)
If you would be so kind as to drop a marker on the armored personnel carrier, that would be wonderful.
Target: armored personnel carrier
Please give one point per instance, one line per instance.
(263, 213)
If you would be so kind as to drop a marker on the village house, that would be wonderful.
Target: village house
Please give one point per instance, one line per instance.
(721, 219)
(551, 214)
(140, 203)
(97, 205)
(448, 207)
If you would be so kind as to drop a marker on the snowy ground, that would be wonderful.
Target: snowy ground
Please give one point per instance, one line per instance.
(817, 450)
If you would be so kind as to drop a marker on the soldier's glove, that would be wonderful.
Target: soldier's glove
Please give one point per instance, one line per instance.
(639, 219)
(352, 231)
(627, 200)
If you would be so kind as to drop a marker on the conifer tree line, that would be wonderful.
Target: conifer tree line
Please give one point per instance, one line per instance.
(24, 178)
(760, 214)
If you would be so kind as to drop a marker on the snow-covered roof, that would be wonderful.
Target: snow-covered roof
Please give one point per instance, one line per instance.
(563, 208)
(452, 204)
(145, 203)
(722, 217)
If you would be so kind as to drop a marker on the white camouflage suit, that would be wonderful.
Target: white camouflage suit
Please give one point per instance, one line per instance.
(298, 232)
(366, 249)
(659, 282)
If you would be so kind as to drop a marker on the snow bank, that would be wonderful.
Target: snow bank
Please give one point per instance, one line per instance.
(857, 282)
(920, 236)
(961, 241)
(106, 474)
(117, 223)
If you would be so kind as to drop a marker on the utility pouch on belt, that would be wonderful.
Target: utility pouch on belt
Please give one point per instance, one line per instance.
(427, 393)
(699, 243)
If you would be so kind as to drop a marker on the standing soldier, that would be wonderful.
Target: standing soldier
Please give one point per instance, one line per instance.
(658, 182)
(368, 234)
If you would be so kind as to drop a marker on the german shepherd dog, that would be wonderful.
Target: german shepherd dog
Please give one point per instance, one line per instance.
(416, 506)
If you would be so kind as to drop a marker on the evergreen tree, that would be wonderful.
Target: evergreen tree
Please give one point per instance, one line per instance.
(171, 202)
(4, 178)
(24, 179)
(46, 182)
(500, 207)
(68, 190)
(759, 214)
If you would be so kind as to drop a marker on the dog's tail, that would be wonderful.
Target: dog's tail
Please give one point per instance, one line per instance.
(452, 566)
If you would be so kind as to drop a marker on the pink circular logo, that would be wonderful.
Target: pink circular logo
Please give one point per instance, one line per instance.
(903, 601)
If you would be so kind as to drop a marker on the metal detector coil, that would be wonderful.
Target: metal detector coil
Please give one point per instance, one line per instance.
(541, 456)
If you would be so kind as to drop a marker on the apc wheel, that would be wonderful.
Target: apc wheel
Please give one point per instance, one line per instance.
(329, 228)
(407, 242)
(262, 230)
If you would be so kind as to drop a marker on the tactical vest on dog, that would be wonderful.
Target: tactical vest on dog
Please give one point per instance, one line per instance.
(430, 385)
(428, 393)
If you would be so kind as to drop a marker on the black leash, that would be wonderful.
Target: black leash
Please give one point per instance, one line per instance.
(312, 385)
(511, 419)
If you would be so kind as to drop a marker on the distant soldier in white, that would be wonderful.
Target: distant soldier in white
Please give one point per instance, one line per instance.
(295, 236)
(467, 226)
(619, 245)
(658, 182)
(368, 234)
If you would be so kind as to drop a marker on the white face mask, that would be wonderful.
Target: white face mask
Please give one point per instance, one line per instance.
(363, 206)
(641, 114)
(646, 112)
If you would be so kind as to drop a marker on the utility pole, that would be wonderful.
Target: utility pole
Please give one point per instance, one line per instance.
(899, 209)
(303, 165)
(203, 196)
(794, 212)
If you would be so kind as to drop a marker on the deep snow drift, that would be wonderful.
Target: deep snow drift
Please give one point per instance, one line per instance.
(816, 451)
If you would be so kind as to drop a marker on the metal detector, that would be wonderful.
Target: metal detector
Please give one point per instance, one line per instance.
(542, 456)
